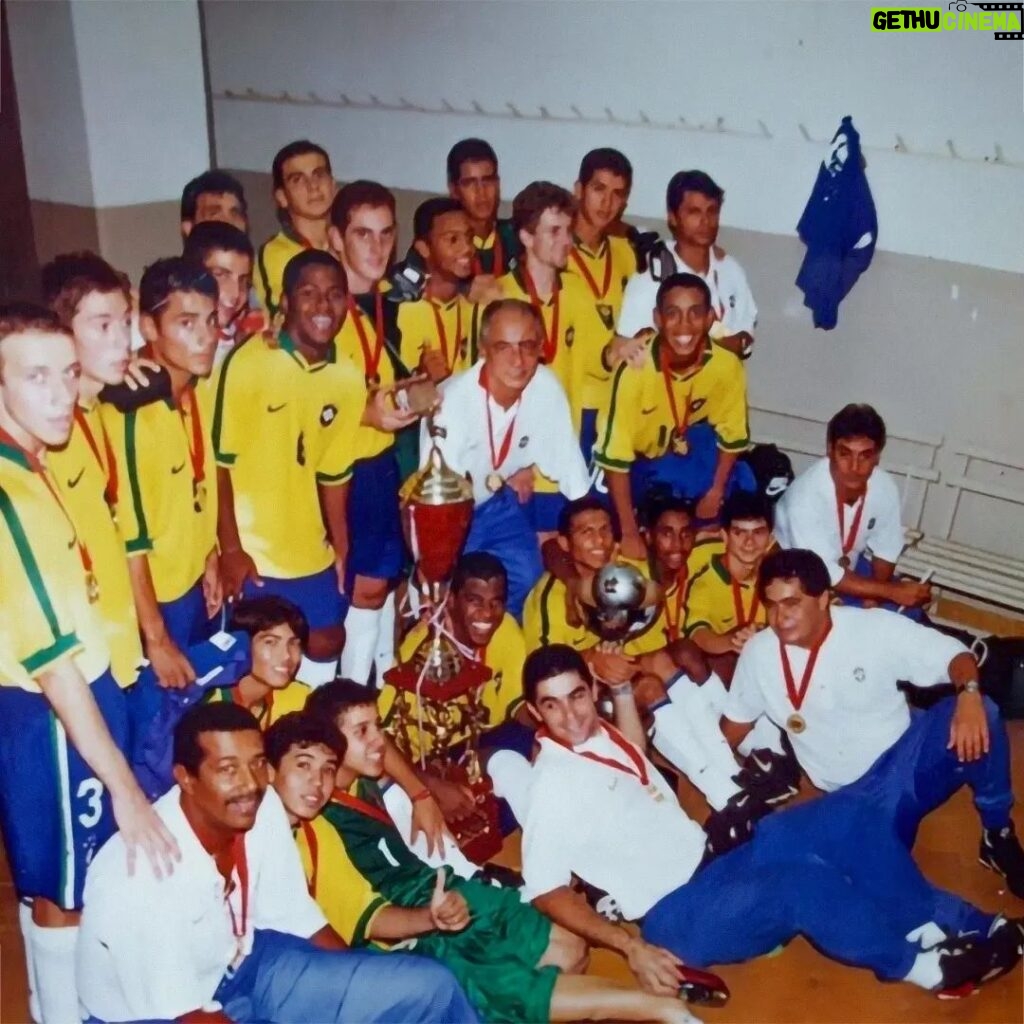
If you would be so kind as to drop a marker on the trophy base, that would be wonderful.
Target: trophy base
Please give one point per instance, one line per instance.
(478, 837)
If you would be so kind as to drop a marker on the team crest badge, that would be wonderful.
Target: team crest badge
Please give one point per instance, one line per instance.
(327, 414)
(859, 674)
(524, 440)
(871, 523)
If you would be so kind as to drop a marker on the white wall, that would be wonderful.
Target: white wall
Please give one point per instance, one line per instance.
(780, 63)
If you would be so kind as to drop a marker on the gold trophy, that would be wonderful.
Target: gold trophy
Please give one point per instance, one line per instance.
(437, 508)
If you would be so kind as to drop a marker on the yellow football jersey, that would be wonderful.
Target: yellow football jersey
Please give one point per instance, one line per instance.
(429, 325)
(500, 696)
(713, 604)
(640, 419)
(45, 613)
(275, 705)
(574, 334)
(341, 891)
(605, 271)
(167, 493)
(281, 427)
(271, 259)
(86, 475)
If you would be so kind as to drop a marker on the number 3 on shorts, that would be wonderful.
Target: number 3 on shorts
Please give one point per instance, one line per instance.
(91, 792)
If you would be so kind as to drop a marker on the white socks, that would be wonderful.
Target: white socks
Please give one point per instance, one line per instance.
(926, 971)
(928, 935)
(317, 673)
(53, 958)
(362, 628)
(384, 655)
(399, 806)
(25, 923)
(764, 734)
(687, 732)
(512, 777)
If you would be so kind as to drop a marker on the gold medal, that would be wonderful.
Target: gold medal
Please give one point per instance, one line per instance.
(796, 724)
(607, 315)
(845, 561)
(198, 495)
(679, 445)
(372, 381)
(494, 482)
(92, 587)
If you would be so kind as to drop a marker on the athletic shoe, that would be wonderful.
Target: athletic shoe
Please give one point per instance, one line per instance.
(1001, 852)
(774, 778)
(733, 825)
(973, 962)
(702, 988)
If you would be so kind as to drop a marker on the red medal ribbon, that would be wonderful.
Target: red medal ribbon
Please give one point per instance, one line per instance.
(550, 338)
(797, 694)
(743, 620)
(371, 360)
(498, 265)
(680, 592)
(110, 470)
(680, 424)
(361, 806)
(40, 470)
(442, 334)
(314, 854)
(196, 448)
(847, 540)
(639, 768)
(241, 865)
(499, 456)
(581, 264)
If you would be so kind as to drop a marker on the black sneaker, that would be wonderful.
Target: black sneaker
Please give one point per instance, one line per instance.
(774, 778)
(733, 825)
(1001, 852)
(968, 963)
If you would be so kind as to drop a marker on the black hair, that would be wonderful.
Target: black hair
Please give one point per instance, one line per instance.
(529, 205)
(588, 503)
(465, 150)
(71, 276)
(679, 280)
(605, 159)
(210, 183)
(332, 700)
(428, 211)
(857, 420)
(478, 565)
(298, 148)
(657, 503)
(746, 505)
(308, 258)
(794, 564)
(22, 317)
(360, 193)
(215, 236)
(548, 662)
(220, 716)
(160, 280)
(691, 181)
(258, 614)
(301, 729)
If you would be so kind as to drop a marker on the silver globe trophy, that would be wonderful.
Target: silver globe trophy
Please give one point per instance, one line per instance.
(621, 602)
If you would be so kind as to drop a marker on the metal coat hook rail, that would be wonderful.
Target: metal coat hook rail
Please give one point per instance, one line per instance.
(513, 112)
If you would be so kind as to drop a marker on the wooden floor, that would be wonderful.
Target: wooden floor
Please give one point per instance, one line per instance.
(798, 984)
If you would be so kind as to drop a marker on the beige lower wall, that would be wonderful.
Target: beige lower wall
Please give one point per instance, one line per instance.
(129, 237)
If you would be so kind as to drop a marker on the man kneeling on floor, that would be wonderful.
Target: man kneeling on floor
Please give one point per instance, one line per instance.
(513, 962)
(832, 870)
(233, 934)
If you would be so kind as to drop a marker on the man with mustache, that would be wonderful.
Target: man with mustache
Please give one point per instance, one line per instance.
(234, 934)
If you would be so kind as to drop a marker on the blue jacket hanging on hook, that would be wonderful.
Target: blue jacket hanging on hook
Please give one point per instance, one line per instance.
(839, 227)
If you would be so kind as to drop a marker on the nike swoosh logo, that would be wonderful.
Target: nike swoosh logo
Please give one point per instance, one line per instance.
(177, 469)
(276, 408)
(74, 483)
(647, 412)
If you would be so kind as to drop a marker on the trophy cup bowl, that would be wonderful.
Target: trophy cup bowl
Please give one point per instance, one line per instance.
(621, 603)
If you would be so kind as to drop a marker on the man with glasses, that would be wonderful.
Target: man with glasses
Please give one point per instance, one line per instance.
(505, 421)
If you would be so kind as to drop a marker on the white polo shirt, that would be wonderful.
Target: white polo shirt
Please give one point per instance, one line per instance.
(603, 825)
(730, 296)
(542, 436)
(807, 516)
(153, 948)
(852, 708)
